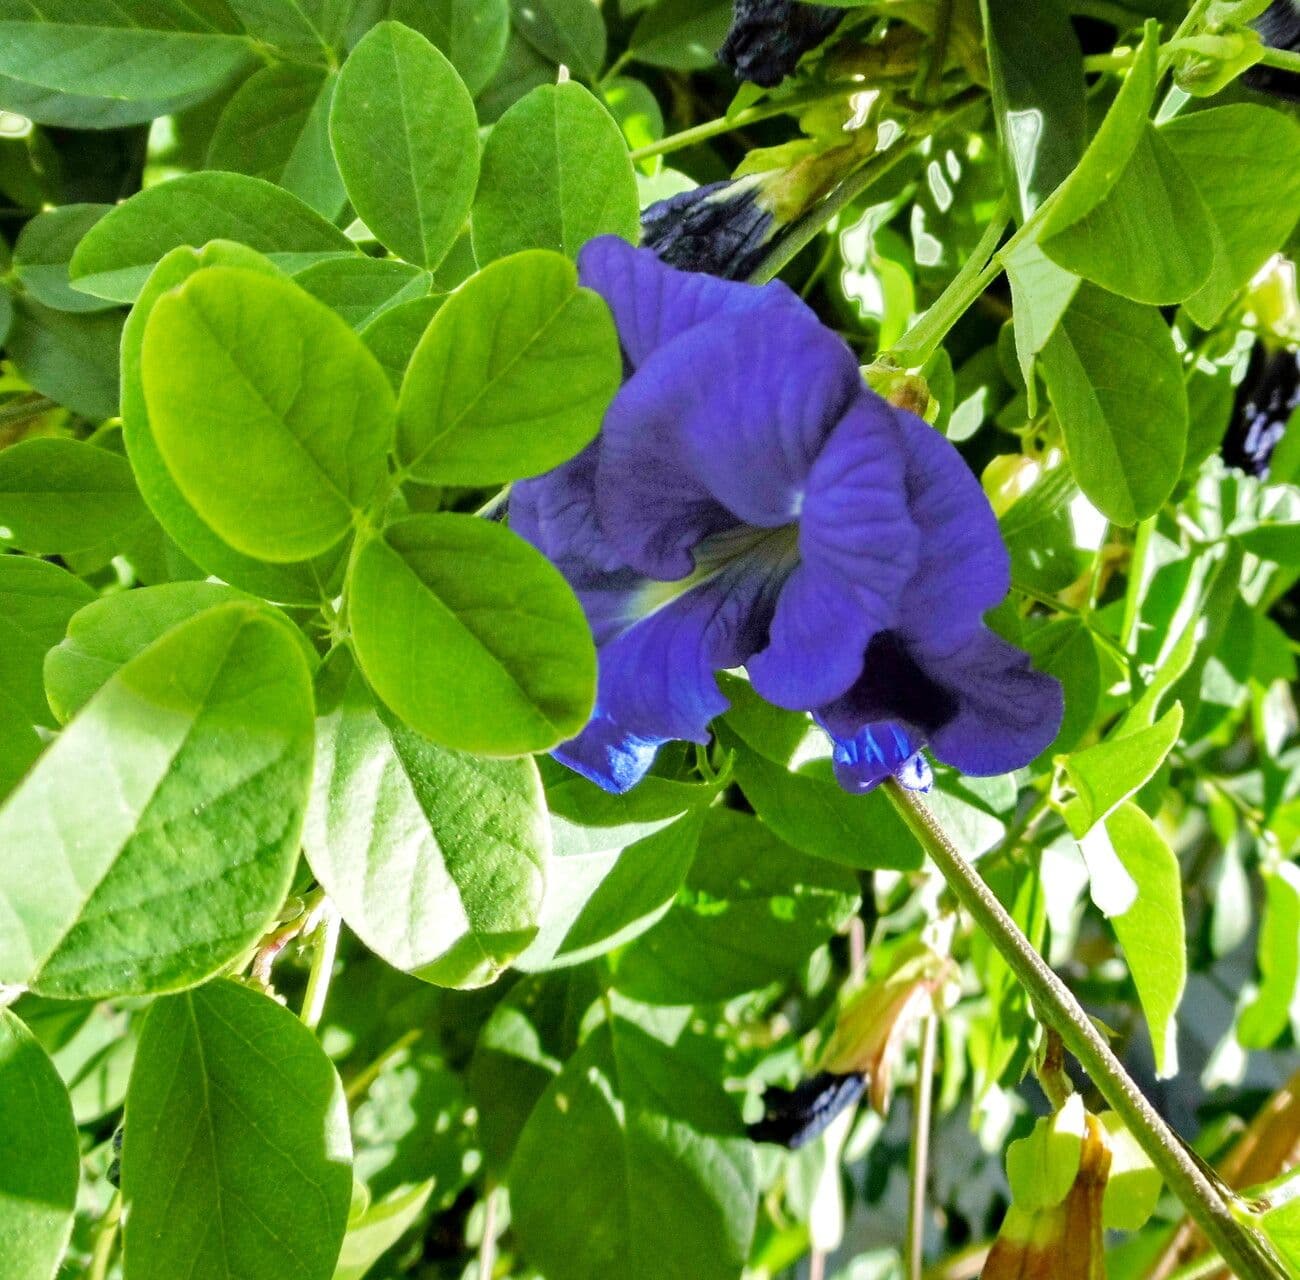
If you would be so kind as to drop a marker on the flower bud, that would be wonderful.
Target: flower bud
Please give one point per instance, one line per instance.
(1062, 1241)
(874, 1022)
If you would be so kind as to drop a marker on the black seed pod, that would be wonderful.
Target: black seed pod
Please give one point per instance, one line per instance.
(1265, 400)
(793, 1117)
(768, 37)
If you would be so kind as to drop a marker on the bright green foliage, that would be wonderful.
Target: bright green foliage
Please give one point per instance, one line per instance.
(89, 894)
(405, 137)
(624, 1133)
(235, 361)
(296, 910)
(471, 636)
(512, 377)
(437, 860)
(237, 1140)
(555, 173)
(38, 1186)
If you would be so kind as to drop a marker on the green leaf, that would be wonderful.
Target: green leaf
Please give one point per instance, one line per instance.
(1042, 1167)
(512, 377)
(1251, 189)
(751, 912)
(1038, 96)
(1040, 293)
(249, 379)
(1065, 648)
(633, 1165)
(116, 257)
(436, 860)
(20, 745)
(1150, 238)
(119, 48)
(380, 1226)
(1133, 1186)
(618, 861)
(1277, 1002)
(568, 33)
(59, 496)
(237, 1159)
(276, 128)
(556, 172)
(393, 335)
(70, 358)
(77, 111)
(362, 289)
(1108, 773)
(472, 33)
(107, 633)
(471, 636)
(406, 140)
(301, 583)
(154, 840)
(1112, 145)
(302, 28)
(44, 249)
(1152, 931)
(1116, 383)
(683, 35)
(37, 599)
(42, 1165)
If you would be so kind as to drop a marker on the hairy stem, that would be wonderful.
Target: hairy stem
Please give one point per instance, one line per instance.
(1209, 1203)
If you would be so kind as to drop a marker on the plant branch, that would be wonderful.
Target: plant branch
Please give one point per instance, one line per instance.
(322, 965)
(919, 1155)
(1208, 1202)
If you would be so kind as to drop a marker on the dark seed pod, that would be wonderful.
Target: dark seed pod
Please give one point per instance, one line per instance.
(721, 229)
(768, 37)
(1279, 28)
(1266, 399)
(793, 1117)
(114, 1174)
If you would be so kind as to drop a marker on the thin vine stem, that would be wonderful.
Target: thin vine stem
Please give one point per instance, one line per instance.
(322, 966)
(1209, 1203)
(918, 1158)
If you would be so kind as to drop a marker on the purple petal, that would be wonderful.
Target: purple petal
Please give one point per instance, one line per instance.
(653, 303)
(556, 512)
(1007, 713)
(876, 752)
(657, 678)
(766, 392)
(858, 543)
(964, 569)
(609, 756)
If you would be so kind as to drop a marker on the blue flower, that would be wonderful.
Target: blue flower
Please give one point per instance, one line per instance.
(749, 502)
(768, 37)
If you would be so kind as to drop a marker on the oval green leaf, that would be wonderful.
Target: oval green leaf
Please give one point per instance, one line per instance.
(237, 1159)
(512, 378)
(299, 583)
(42, 1164)
(271, 414)
(406, 139)
(115, 258)
(435, 859)
(1116, 383)
(556, 172)
(155, 839)
(472, 33)
(471, 636)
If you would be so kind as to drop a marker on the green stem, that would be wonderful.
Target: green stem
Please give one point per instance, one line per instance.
(918, 1171)
(25, 410)
(1283, 59)
(978, 271)
(1207, 1202)
(322, 966)
(369, 1074)
(105, 1239)
(750, 115)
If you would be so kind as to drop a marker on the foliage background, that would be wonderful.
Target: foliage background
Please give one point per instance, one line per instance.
(535, 1018)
